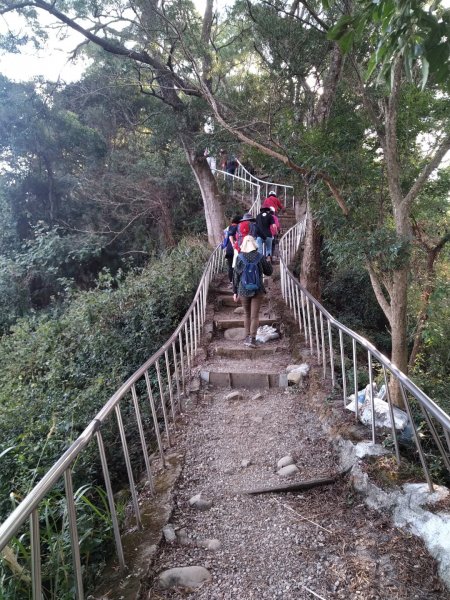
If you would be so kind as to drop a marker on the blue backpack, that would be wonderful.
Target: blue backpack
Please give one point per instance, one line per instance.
(225, 239)
(251, 275)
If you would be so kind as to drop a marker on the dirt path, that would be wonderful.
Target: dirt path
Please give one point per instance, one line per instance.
(322, 543)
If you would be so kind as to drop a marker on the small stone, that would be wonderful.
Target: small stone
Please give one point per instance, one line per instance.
(239, 310)
(211, 544)
(288, 471)
(200, 503)
(186, 577)
(183, 538)
(285, 461)
(234, 396)
(246, 463)
(169, 533)
(257, 396)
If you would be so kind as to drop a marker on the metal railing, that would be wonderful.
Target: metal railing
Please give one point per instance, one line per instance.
(168, 368)
(248, 188)
(287, 191)
(318, 326)
(246, 182)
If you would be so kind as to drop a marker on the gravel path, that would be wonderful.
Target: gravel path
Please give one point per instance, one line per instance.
(322, 543)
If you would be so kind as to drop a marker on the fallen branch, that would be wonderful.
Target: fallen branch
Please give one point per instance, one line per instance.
(297, 514)
(300, 486)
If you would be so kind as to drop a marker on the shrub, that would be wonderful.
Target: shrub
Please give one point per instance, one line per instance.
(56, 371)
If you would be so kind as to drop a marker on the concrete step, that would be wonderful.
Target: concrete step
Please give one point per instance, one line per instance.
(226, 301)
(222, 290)
(239, 351)
(250, 380)
(237, 321)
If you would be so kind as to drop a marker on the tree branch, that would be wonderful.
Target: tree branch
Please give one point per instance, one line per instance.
(381, 298)
(274, 154)
(117, 49)
(435, 161)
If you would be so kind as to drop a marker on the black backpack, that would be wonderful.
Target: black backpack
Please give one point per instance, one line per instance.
(251, 275)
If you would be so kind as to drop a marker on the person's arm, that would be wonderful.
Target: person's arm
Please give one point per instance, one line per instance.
(266, 266)
(236, 279)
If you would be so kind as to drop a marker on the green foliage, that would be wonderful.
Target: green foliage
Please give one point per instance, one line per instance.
(348, 295)
(56, 371)
(412, 30)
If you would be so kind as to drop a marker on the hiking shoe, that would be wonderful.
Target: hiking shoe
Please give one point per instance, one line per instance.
(250, 342)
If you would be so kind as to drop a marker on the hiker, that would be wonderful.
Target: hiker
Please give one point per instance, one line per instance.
(247, 226)
(211, 160)
(223, 159)
(264, 222)
(229, 239)
(272, 200)
(231, 165)
(249, 287)
(275, 230)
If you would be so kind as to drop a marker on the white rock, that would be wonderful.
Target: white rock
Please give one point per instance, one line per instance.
(169, 533)
(211, 544)
(294, 377)
(239, 310)
(288, 471)
(246, 463)
(303, 369)
(200, 503)
(234, 396)
(285, 461)
(186, 577)
(257, 396)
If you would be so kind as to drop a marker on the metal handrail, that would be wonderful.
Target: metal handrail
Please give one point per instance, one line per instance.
(304, 304)
(245, 174)
(255, 188)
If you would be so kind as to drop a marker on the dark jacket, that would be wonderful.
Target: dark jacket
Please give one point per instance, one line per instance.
(263, 222)
(232, 230)
(264, 268)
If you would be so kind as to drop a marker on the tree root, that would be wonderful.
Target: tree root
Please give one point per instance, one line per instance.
(300, 486)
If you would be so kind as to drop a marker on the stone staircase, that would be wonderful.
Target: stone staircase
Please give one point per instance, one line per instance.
(228, 362)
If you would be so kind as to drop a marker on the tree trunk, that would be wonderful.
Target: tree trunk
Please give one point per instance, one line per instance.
(399, 354)
(310, 273)
(215, 218)
(166, 225)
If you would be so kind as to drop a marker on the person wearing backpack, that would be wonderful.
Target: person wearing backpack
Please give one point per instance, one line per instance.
(264, 222)
(229, 237)
(247, 226)
(249, 287)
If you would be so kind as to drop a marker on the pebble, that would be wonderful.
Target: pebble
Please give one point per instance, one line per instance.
(200, 503)
(288, 471)
(285, 462)
(246, 463)
(169, 533)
